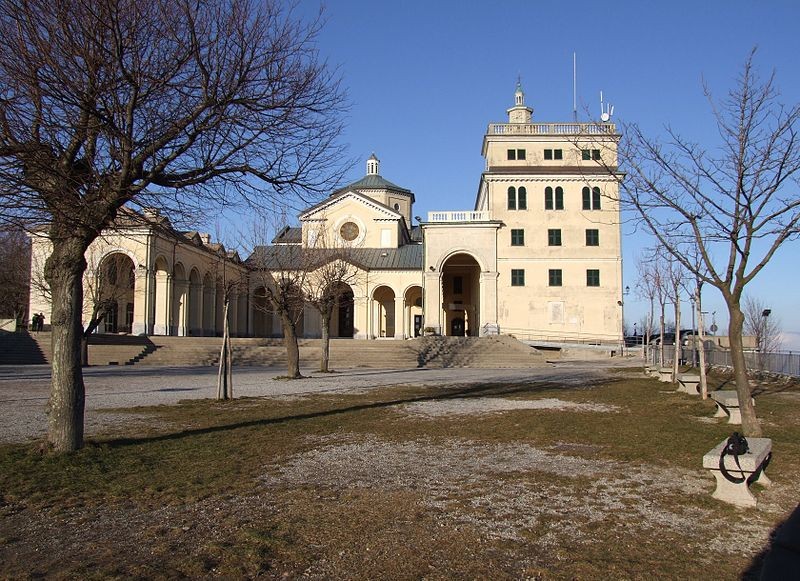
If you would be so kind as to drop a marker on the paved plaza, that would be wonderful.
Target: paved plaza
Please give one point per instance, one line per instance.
(24, 389)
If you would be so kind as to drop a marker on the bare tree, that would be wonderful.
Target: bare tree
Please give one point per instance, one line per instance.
(759, 322)
(15, 268)
(232, 285)
(646, 289)
(176, 104)
(278, 276)
(676, 278)
(734, 205)
(333, 272)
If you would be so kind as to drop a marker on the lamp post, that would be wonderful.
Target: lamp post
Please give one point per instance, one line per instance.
(625, 293)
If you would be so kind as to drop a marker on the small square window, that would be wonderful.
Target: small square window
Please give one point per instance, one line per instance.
(586, 154)
(548, 154)
(592, 277)
(520, 154)
(596, 154)
(554, 237)
(554, 277)
(592, 237)
(512, 154)
(517, 277)
(558, 154)
(517, 237)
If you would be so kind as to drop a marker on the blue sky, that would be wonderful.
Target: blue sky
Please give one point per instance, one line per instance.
(425, 79)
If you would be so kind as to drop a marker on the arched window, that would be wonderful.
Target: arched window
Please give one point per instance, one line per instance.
(587, 198)
(548, 198)
(595, 198)
(559, 198)
(512, 198)
(522, 199)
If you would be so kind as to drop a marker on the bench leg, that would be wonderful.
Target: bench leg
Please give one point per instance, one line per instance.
(735, 416)
(736, 494)
(721, 413)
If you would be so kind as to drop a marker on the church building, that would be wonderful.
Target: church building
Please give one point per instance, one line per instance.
(538, 256)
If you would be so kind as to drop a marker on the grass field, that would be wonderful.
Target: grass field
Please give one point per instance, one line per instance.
(532, 480)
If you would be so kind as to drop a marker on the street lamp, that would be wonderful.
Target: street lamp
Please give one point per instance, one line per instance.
(763, 339)
(621, 303)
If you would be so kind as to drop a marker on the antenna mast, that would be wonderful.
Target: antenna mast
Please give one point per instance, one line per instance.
(574, 87)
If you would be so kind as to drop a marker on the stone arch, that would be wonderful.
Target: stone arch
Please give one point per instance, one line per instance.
(342, 320)
(112, 291)
(461, 285)
(480, 260)
(262, 313)
(383, 311)
(412, 300)
(195, 307)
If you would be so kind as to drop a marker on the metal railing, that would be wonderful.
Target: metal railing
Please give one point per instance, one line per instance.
(782, 363)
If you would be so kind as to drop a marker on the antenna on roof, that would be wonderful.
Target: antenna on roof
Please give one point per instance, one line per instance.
(574, 87)
(606, 110)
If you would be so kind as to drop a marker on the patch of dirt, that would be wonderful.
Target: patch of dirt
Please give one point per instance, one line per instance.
(510, 491)
(485, 405)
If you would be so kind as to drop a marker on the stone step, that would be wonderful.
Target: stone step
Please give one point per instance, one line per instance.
(437, 352)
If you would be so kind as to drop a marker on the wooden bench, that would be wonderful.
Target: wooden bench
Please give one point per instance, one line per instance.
(665, 374)
(753, 464)
(728, 405)
(688, 383)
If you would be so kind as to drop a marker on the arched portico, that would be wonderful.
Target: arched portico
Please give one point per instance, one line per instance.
(195, 307)
(112, 292)
(412, 311)
(383, 312)
(461, 290)
(342, 319)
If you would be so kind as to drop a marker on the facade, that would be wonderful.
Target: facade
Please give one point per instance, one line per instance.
(150, 279)
(538, 256)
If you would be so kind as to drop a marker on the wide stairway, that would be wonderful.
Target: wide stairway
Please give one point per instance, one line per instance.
(435, 352)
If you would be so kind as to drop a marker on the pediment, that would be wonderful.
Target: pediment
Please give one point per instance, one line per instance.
(347, 199)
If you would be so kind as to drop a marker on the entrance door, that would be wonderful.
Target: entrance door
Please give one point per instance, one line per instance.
(457, 327)
(346, 315)
(417, 325)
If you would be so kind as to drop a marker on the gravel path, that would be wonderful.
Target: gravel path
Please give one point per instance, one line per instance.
(24, 389)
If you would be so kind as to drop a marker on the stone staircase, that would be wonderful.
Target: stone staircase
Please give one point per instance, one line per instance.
(494, 352)
(23, 348)
(436, 352)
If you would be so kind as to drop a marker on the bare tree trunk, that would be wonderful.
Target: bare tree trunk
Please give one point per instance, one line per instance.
(326, 341)
(65, 409)
(676, 360)
(702, 352)
(750, 425)
(225, 376)
(292, 350)
(661, 344)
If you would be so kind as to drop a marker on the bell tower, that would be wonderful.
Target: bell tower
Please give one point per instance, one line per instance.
(519, 113)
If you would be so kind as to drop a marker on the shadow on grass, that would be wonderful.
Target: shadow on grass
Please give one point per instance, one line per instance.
(457, 393)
